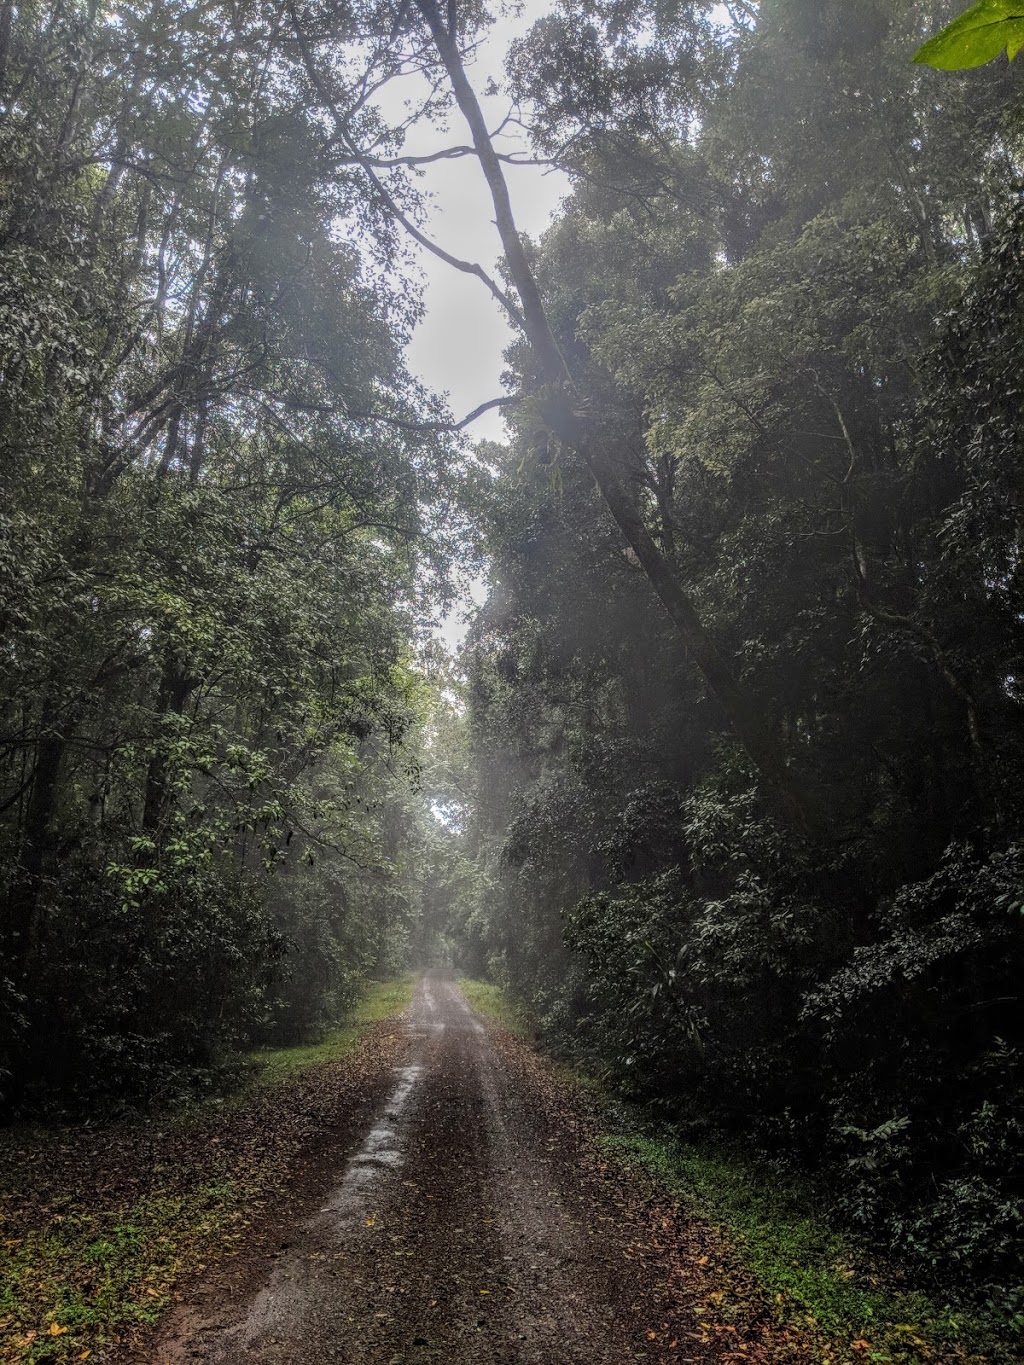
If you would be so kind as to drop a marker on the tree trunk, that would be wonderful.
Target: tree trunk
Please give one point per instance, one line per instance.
(567, 418)
(36, 838)
(6, 33)
(175, 689)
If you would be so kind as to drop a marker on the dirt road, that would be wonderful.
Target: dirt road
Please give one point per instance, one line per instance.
(464, 1228)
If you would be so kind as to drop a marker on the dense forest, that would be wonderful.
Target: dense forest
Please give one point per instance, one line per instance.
(725, 783)
(222, 520)
(802, 326)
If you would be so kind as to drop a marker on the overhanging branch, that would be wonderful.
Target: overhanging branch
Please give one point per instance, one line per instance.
(407, 424)
(386, 198)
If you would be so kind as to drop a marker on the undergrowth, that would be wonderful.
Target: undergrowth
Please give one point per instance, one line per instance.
(91, 1276)
(806, 1269)
(379, 1000)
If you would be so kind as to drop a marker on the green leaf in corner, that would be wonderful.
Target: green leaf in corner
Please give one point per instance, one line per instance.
(976, 37)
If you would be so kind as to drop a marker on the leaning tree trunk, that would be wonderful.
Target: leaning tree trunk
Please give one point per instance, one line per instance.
(567, 419)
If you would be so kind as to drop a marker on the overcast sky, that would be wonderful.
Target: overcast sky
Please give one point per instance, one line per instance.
(457, 348)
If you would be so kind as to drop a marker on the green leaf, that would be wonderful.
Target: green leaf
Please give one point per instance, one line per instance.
(976, 37)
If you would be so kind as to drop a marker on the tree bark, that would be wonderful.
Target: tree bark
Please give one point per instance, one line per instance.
(175, 689)
(567, 418)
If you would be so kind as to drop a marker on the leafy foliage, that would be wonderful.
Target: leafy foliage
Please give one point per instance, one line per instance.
(803, 1267)
(981, 33)
(798, 320)
(221, 518)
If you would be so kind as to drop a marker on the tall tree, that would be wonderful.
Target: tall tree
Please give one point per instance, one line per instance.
(776, 311)
(223, 505)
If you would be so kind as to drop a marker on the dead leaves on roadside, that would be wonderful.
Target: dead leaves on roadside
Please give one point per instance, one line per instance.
(112, 1218)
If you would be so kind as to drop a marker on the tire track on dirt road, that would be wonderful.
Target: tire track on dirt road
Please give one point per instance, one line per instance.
(461, 1230)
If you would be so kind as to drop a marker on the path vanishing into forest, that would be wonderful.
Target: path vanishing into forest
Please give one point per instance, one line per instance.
(464, 1225)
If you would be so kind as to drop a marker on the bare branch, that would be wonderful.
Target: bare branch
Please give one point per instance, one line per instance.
(467, 267)
(385, 196)
(406, 424)
(383, 163)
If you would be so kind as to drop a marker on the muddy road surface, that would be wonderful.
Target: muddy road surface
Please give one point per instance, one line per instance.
(462, 1227)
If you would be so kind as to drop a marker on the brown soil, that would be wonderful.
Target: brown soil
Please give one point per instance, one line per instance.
(472, 1220)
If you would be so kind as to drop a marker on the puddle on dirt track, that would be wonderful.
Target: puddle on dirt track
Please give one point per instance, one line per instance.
(381, 1151)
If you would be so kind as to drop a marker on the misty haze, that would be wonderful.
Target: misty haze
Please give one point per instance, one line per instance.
(511, 657)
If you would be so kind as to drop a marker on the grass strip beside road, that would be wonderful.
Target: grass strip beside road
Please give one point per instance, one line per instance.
(496, 1004)
(807, 1270)
(100, 1223)
(378, 1000)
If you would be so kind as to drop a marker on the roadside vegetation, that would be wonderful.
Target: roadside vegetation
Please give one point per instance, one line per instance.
(807, 1270)
(762, 870)
(785, 1255)
(101, 1224)
(490, 1000)
(377, 1000)
(220, 525)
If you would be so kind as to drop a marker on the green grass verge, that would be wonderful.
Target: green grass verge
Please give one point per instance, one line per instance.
(492, 1000)
(379, 1000)
(808, 1270)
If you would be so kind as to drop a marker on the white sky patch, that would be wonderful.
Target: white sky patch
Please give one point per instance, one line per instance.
(453, 627)
(457, 348)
